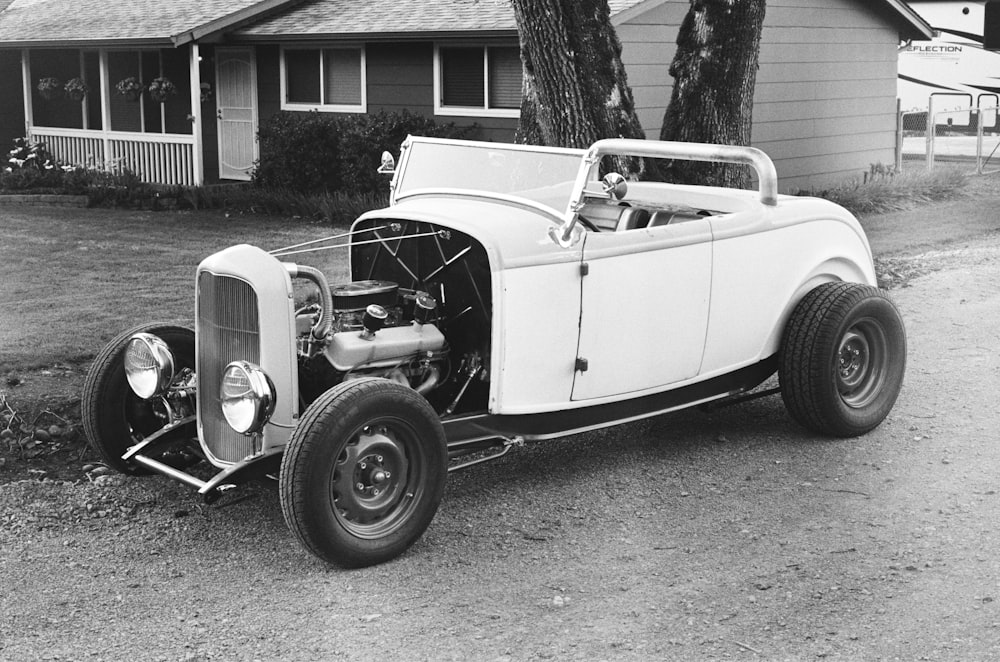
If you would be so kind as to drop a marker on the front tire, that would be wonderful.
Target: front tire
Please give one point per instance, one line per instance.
(114, 417)
(842, 359)
(363, 473)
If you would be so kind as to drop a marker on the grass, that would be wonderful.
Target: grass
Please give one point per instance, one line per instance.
(884, 189)
(71, 279)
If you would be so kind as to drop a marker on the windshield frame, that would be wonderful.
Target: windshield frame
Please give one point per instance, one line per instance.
(558, 200)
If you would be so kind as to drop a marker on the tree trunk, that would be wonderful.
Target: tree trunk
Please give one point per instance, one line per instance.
(714, 70)
(575, 88)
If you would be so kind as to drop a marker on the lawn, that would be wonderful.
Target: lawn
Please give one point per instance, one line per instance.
(71, 279)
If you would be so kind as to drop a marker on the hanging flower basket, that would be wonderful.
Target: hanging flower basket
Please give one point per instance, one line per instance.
(76, 89)
(130, 88)
(161, 88)
(50, 88)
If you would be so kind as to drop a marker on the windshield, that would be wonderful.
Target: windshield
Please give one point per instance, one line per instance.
(542, 175)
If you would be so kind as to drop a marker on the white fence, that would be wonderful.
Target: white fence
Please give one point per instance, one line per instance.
(156, 158)
(962, 137)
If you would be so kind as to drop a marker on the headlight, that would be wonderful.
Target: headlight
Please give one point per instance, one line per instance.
(247, 397)
(149, 365)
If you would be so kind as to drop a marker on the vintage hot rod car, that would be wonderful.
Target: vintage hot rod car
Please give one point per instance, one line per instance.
(508, 293)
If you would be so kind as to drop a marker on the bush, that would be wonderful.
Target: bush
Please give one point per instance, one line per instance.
(315, 153)
(363, 138)
(298, 151)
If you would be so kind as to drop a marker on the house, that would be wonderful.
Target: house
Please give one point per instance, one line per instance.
(824, 105)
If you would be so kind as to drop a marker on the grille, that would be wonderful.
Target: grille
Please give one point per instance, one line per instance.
(228, 328)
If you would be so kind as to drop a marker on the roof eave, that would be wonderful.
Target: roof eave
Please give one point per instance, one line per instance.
(373, 36)
(232, 21)
(917, 27)
(87, 43)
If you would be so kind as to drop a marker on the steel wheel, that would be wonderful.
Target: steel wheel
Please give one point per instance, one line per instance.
(842, 359)
(364, 472)
(375, 480)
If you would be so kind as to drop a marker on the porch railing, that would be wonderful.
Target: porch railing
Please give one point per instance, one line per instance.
(156, 158)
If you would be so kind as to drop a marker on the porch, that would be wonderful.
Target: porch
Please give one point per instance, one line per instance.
(159, 137)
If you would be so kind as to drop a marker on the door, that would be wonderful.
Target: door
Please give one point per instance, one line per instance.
(236, 110)
(645, 303)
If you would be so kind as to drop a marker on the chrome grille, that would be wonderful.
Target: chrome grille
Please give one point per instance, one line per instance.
(228, 328)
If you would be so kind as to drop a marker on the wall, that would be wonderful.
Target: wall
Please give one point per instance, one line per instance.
(400, 77)
(824, 103)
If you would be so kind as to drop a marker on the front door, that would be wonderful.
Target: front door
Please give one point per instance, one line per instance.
(236, 110)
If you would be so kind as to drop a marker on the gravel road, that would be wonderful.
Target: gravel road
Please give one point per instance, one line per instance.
(732, 535)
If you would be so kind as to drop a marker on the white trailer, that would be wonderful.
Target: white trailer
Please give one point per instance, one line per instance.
(952, 73)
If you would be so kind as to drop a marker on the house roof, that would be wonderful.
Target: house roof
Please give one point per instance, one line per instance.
(90, 22)
(344, 18)
(27, 23)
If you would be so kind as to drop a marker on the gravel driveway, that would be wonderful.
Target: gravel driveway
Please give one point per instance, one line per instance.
(727, 535)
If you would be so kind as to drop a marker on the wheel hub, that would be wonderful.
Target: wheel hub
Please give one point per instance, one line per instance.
(861, 363)
(370, 476)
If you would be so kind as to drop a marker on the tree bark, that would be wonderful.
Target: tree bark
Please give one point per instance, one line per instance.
(575, 88)
(714, 70)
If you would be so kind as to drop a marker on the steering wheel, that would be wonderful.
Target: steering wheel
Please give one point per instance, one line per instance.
(587, 224)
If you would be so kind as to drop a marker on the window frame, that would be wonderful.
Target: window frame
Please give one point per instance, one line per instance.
(469, 111)
(361, 107)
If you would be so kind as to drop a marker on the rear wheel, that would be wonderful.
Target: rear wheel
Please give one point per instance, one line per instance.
(842, 359)
(114, 417)
(364, 472)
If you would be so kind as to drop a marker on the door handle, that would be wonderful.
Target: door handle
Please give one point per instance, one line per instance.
(218, 114)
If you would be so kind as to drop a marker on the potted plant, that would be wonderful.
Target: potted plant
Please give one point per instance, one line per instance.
(130, 88)
(161, 88)
(76, 89)
(50, 88)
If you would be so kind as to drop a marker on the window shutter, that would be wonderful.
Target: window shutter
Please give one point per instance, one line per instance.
(462, 77)
(505, 78)
(343, 76)
(302, 76)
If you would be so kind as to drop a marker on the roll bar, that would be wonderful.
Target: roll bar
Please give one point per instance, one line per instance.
(658, 149)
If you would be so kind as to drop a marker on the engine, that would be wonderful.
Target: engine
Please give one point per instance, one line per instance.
(377, 329)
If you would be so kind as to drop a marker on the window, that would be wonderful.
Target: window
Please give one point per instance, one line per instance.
(477, 80)
(331, 79)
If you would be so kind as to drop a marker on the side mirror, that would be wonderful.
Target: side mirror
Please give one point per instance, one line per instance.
(388, 165)
(614, 185)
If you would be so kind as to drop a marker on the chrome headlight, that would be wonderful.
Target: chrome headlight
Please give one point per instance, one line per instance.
(247, 396)
(149, 365)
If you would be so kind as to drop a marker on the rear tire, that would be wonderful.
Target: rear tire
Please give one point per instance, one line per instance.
(115, 418)
(363, 472)
(842, 359)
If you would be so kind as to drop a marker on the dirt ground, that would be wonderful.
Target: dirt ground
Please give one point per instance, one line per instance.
(728, 535)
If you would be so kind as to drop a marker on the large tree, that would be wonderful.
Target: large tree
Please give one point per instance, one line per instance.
(714, 70)
(576, 90)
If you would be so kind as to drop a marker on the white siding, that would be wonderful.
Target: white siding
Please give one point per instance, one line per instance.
(824, 104)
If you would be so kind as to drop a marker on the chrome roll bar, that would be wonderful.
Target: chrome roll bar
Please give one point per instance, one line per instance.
(658, 149)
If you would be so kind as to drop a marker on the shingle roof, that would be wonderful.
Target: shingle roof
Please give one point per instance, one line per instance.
(103, 21)
(171, 22)
(374, 17)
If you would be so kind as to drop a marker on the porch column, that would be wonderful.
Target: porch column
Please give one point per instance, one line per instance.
(105, 109)
(29, 120)
(196, 120)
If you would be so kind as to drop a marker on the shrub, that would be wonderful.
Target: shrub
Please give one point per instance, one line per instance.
(298, 151)
(315, 153)
(363, 138)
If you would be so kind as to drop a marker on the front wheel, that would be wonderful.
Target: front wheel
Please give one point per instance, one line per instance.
(842, 359)
(364, 472)
(114, 417)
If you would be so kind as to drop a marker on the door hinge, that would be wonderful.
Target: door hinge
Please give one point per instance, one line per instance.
(584, 268)
(582, 364)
